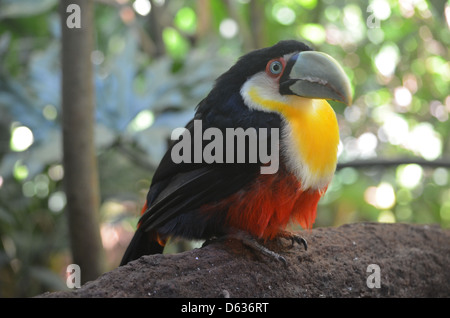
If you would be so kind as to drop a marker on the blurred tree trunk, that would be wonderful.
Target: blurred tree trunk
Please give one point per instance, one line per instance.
(257, 23)
(248, 41)
(155, 28)
(203, 10)
(80, 163)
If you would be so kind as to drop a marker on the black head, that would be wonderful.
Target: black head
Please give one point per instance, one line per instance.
(256, 61)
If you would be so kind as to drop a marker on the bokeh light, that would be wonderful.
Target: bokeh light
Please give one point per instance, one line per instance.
(21, 138)
(409, 176)
(387, 58)
(381, 197)
(57, 201)
(313, 32)
(186, 19)
(424, 141)
(440, 176)
(403, 96)
(228, 28)
(386, 217)
(142, 7)
(367, 143)
(381, 9)
(283, 14)
(142, 121)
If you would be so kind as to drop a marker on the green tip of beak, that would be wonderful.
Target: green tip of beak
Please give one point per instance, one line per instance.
(317, 75)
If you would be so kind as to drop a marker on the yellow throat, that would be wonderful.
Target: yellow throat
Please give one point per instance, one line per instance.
(311, 137)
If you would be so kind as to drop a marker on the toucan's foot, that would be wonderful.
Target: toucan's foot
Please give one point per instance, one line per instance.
(250, 241)
(294, 238)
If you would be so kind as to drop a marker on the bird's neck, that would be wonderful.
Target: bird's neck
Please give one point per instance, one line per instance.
(310, 138)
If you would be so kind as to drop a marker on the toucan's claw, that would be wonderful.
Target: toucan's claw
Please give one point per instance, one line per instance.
(295, 238)
(250, 241)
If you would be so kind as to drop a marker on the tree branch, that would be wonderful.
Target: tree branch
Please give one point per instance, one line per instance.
(384, 163)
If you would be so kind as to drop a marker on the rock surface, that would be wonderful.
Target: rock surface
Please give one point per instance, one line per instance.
(413, 261)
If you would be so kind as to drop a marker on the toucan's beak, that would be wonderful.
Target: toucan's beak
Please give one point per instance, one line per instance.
(316, 75)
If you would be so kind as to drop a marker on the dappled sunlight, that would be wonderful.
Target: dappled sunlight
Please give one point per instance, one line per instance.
(21, 138)
(143, 7)
(409, 176)
(228, 28)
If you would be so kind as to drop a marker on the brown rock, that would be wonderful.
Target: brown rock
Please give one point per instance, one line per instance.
(413, 261)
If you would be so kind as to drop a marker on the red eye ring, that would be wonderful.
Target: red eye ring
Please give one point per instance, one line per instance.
(275, 67)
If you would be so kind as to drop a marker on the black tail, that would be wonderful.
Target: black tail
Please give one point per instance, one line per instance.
(143, 243)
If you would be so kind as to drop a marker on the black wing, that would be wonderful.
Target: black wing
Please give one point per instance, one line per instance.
(183, 188)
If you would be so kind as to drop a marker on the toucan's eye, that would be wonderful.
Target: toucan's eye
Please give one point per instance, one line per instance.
(274, 68)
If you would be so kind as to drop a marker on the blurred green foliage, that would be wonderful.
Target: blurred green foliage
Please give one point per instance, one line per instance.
(154, 61)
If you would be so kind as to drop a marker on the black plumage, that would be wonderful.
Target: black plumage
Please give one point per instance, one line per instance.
(178, 191)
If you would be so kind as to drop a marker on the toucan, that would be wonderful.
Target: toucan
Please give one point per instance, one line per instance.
(283, 90)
